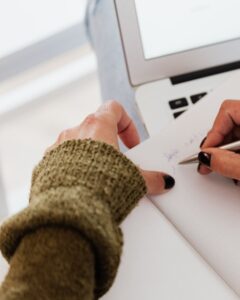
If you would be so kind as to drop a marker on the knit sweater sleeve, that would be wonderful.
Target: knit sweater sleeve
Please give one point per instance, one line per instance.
(67, 243)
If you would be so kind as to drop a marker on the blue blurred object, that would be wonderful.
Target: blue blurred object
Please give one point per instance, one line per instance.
(103, 32)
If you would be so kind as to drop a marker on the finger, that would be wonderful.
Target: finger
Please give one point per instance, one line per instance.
(157, 183)
(110, 120)
(223, 162)
(65, 135)
(236, 133)
(227, 119)
(125, 126)
(203, 170)
(99, 127)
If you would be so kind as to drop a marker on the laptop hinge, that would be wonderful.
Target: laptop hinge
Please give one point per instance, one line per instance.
(204, 73)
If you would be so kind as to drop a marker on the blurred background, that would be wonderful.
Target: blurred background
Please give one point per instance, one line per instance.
(48, 82)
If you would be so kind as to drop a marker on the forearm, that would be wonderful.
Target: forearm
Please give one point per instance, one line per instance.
(68, 239)
(51, 263)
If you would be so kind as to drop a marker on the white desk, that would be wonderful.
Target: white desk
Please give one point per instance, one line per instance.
(158, 264)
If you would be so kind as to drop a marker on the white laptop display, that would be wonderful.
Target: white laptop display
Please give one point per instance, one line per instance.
(177, 51)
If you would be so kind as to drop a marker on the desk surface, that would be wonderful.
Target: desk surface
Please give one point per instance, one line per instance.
(158, 263)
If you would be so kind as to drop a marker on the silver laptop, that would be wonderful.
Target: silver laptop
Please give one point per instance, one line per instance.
(177, 52)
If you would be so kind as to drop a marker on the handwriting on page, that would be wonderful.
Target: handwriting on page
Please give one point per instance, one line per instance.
(188, 147)
(171, 156)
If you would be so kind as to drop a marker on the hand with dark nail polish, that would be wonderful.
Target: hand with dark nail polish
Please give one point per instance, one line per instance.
(225, 130)
(203, 141)
(204, 158)
(169, 182)
(199, 167)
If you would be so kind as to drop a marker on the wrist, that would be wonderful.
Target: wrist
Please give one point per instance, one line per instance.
(95, 167)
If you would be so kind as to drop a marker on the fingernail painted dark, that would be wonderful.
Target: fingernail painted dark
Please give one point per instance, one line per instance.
(169, 182)
(205, 158)
(235, 181)
(203, 141)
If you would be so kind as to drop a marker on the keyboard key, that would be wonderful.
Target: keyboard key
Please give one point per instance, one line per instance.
(178, 103)
(196, 98)
(177, 114)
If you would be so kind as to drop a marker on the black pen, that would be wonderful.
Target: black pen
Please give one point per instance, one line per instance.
(235, 146)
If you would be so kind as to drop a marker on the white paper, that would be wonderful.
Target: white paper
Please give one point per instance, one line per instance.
(206, 210)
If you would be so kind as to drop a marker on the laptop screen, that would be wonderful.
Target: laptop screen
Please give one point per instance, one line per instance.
(173, 26)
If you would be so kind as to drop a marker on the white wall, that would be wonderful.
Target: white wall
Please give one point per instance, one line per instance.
(28, 131)
(25, 22)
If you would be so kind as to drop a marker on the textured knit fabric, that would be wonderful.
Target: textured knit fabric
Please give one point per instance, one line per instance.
(51, 263)
(67, 244)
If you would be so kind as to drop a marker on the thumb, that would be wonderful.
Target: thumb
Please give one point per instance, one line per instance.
(157, 183)
(223, 162)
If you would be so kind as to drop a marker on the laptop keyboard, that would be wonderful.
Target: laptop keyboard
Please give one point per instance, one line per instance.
(196, 98)
(178, 103)
(183, 103)
(177, 114)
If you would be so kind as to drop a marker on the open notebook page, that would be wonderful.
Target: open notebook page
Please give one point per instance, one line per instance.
(206, 210)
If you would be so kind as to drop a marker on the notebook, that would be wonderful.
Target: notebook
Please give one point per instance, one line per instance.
(203, 211)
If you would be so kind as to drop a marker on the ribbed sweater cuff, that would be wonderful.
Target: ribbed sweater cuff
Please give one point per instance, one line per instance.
(98, 168)
(85, 185)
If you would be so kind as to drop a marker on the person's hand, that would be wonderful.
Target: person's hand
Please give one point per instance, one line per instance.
(226, 129)
(109, 122)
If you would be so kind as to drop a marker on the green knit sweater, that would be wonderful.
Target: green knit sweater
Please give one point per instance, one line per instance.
(67, 243)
